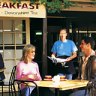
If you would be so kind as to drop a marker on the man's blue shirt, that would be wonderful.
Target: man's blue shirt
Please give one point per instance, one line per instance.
(64, 48)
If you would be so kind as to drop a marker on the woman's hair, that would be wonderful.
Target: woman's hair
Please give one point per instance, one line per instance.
(28, 48)
(90, 73)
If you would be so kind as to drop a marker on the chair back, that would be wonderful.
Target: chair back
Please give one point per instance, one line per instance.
(12, 76)
(91, 88)
(19, 82)
(10, 84)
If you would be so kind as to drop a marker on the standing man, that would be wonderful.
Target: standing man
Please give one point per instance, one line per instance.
(66, 49)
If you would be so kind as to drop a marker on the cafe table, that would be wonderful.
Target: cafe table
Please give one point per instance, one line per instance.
(62, 85)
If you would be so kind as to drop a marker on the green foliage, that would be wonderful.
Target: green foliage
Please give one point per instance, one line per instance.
(13, 1)
(16, 1)
(43, 1)
(67, 3)
(57, 5)
(94, 1)
(53, 5)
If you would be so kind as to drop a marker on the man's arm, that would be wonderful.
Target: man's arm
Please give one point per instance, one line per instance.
(74, 55)
(53, 55)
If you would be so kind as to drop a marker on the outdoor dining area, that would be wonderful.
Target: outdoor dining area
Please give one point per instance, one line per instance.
(57, 83)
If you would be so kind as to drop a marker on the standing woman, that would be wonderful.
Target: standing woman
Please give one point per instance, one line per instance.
(27, 69)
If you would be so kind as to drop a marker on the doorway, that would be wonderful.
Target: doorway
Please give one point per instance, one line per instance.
(36, 25)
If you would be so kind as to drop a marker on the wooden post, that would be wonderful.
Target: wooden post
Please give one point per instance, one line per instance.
(44, 56)
(27, 30)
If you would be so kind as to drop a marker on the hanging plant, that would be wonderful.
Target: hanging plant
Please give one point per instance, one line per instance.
(57, 5)
(16, 1)
(53, 5)
(67, 3)
(94, 1)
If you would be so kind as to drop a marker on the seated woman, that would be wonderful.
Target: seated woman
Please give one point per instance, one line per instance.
(27, 69)
(90, 75)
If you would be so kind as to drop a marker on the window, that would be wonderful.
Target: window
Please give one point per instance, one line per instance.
(12, 40)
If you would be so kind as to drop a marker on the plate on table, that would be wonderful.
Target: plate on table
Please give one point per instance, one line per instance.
(63, 79)
(47, 79)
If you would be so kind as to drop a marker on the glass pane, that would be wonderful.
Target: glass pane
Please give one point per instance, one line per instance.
(1, 50)
(20, 31)
(18, 38)
(7, 25)
(9, 54)
(1, 38)
(8, 65)
(9, 39)
(24, 38)
(24, 25)
(18, 25)
(18, 54)
(1, 25)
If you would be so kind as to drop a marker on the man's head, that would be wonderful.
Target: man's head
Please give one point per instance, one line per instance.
(63, 34)
(87, 43)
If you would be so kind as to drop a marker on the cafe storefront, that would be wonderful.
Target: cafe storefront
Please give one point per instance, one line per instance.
(15, 29)
(79, 20)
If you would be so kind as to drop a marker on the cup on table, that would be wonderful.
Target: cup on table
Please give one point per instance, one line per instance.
(56, 79)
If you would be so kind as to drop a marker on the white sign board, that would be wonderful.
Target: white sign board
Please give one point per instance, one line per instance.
(23, 9)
